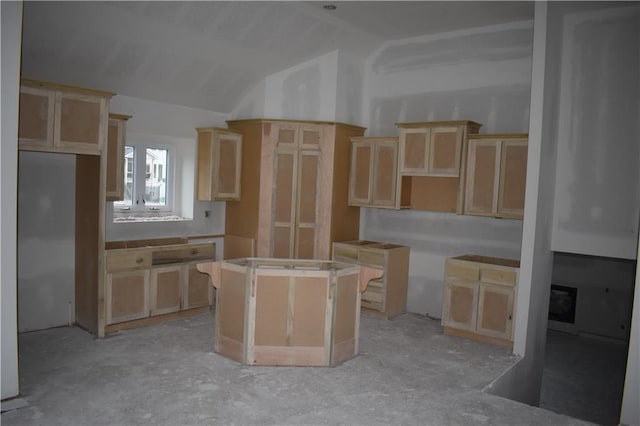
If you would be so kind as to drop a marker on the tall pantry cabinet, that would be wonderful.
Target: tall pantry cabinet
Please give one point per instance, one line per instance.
(294, 188)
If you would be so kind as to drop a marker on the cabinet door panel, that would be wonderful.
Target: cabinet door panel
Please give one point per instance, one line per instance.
(495, 311)
(228, 157)
(127, 296)
(307, 205)
(115, 160)
(446, 144)
(414, 148)
(460, 307)
(286, 134)
(310, 136)
(482, 179)
(361, 173)
(513, 178)
(36, 117)
(385, 175)
(80, 119)
(166, 289)
(283, 203)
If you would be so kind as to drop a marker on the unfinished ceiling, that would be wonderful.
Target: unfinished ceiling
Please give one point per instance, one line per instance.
(208, 54)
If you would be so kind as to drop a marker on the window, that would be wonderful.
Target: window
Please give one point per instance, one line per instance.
(147, 179)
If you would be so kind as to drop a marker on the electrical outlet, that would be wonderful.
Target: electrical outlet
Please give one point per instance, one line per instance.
(207, 213)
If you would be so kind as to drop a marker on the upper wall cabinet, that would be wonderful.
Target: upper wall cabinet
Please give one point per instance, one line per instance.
(219, 164)
(433, 148)
(116, 139)
(373, 175)
(60, 118)
(496, 175)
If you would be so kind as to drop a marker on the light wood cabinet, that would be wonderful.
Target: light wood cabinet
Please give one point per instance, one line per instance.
(155, 281)
(294, 188)
(219, 164)
(386, 296)
(60, 118)
(496, 175)
(116, 140)
(433, 148)
(432, 163)
(373, 176)
(478, 300)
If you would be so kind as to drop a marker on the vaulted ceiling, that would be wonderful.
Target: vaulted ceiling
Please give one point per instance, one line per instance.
(208, 54)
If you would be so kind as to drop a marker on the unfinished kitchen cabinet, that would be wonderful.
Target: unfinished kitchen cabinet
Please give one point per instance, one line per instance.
(116, 140)
(150, 283)
(287, 311)
(386, 296)
(373, 175)
(433, 148)
(60, 118)
(294, 188)
(479, 295)
(431, 157)
(496, 175)
(219, 164)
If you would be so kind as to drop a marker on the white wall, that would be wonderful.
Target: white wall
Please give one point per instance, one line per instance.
(480, 74)
(11, 26)
(523, 381)
(598, 177)
(46, 240)
(156, 121)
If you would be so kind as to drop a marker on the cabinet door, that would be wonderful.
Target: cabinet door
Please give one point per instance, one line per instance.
(513, 176)
(227, 166)
(127, 295)
(198, 290)
(115, 159)
(414, 150)
(307, 204)
(361, 173)
(385, 174)
(284, 197)
(36, 117)
(460, 304)
(81, 121)
(445, 149)
(495, 311)
(482, 177)
(166, 289)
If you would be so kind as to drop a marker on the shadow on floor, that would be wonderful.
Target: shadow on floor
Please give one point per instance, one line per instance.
(584, 377)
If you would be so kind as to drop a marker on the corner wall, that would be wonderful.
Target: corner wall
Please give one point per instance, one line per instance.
(11, 27)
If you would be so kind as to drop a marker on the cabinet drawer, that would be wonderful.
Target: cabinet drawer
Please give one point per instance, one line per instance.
(345, 253)
(462, 270)
(184, 253)
(371, 257)
(498, 275)
(118, 260)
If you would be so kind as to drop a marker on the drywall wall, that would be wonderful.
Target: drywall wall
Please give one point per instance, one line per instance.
(482, 74)
(176, 126)
(10, 26)
(604, 293)
(326, 88)
(598, 177)
(630, 414)
(523, 381)
(46, 240)
(433, 237)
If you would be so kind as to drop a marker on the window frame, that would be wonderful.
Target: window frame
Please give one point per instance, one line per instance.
(139, 180)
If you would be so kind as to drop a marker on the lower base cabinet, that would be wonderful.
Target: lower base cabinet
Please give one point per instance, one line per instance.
(479, 294)
(135, 288)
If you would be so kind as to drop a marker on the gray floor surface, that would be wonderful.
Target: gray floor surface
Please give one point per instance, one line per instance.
(407, 373)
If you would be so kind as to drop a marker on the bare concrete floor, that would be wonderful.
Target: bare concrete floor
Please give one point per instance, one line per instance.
(407, 373)
(584, 377)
